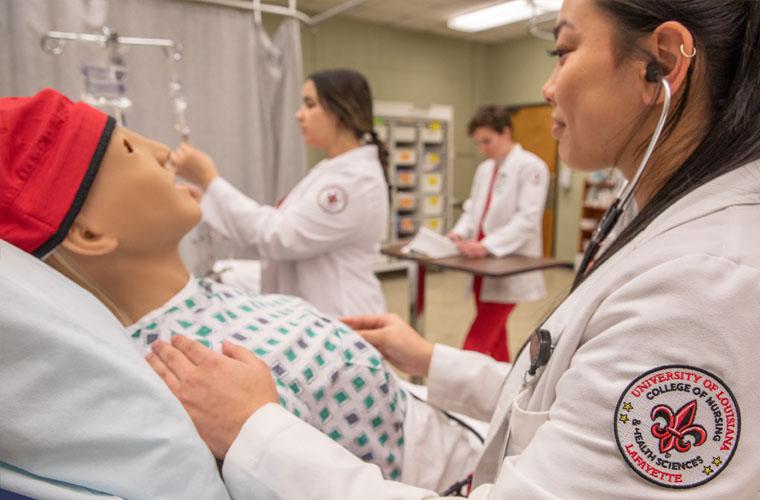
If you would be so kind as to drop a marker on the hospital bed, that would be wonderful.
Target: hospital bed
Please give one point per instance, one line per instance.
(82, 414)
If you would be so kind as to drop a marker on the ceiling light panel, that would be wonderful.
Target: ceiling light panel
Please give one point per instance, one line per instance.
(513, 11)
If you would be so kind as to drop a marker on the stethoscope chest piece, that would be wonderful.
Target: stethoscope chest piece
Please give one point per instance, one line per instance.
(540, 350)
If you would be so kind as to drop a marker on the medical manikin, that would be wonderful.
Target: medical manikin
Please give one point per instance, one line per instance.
(123, 248)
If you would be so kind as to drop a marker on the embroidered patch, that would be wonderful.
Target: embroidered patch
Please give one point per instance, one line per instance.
(677, 426)
(332, 199)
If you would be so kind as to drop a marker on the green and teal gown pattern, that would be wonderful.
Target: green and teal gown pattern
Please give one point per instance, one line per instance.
(325, 373)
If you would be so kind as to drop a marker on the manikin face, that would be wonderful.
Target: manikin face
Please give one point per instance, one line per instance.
(134, 199)
(318, 127)
(492, 144)
(596, 99)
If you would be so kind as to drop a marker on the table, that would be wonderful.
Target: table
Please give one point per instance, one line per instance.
(492, 267)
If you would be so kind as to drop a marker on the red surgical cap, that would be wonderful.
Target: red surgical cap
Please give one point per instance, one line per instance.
(50, 151)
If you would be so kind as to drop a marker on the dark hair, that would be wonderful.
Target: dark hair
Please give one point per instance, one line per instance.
(727, 38)
(345, 93)
(497, 118)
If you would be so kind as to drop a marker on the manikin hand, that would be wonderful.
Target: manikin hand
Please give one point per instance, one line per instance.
(395, 340)
(194, 165)
(454, 237)
(472, 248)
(218, 391)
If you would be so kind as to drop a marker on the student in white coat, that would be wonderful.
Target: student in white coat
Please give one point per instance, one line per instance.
(649, 388)
(502, 216)
(322, 240)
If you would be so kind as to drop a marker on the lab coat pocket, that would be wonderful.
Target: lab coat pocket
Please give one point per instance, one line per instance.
(523, 424)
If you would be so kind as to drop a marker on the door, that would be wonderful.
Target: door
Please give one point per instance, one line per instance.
(531, 127)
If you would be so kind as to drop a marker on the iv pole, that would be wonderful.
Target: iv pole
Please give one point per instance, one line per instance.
(54, 42)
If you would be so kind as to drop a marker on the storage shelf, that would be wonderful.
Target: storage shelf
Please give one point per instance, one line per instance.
(601, 208)
(420, 146)
(607, 184)
(596, 194)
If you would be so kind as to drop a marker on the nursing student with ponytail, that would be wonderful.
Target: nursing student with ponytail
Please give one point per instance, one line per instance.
(321, 241)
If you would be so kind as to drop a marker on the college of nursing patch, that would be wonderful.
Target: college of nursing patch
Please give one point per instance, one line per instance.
(677, 426)
(332, 199)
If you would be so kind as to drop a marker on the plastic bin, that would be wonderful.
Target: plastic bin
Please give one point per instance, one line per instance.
(432, 183)
(405, 156)
(434, 224)
(406, 226)
(432, 134)
(431, 161)
(432, 205)
(404, 134)
(406, 178)
(406, 202)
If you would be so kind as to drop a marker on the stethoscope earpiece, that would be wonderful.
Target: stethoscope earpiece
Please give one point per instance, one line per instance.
(654, 73)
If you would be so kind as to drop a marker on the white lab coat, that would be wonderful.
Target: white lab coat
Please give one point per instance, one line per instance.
(685, 291)
(319, 248)
(513, 222)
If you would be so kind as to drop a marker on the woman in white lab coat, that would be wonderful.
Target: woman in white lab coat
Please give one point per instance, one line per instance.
(643, 383)
(502, 216)
(321, 242)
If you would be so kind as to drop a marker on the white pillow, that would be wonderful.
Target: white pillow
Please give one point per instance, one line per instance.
(241, 273)
(79, 404)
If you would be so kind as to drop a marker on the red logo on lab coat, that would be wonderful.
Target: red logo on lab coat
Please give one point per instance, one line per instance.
(332, 199)
(677, 426)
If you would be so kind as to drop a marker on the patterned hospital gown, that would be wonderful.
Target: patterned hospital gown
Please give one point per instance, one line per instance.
(325, 373)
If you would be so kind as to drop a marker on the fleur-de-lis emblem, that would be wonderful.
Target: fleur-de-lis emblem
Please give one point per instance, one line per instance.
(678, 426)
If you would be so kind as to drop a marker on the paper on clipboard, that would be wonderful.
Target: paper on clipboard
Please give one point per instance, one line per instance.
(431, 244)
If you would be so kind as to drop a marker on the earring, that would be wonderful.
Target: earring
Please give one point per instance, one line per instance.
(688, 56)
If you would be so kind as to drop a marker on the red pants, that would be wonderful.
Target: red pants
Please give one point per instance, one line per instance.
(488, 332)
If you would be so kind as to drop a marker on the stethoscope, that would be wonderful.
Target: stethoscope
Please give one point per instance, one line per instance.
(540, 342)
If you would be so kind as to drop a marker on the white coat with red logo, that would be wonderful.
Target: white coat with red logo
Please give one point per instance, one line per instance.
(512, 225)
(322, 242)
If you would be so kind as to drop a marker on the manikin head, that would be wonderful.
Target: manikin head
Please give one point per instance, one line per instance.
(134, 208)
(96, 201)
(491, 130)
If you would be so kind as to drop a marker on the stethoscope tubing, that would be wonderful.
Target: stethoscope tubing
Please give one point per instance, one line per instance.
(611, 216)
(608, 222)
